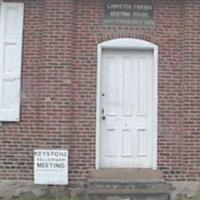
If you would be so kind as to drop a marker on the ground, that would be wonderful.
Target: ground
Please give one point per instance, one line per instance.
(28, 197)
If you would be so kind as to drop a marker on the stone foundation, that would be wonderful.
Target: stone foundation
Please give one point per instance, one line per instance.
(26, 189)
(185, 189)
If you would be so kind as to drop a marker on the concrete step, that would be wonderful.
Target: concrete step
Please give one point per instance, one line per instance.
(111, 191)
(127, 184)
(137, 186)
(127, 197)
(136, 175)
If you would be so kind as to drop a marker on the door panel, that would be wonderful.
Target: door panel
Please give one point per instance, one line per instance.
(127, 109)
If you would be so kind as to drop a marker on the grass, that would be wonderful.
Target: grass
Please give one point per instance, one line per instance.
(192, 198)
(32, 197)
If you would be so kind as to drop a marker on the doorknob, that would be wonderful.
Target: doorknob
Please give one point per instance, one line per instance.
(103, 115)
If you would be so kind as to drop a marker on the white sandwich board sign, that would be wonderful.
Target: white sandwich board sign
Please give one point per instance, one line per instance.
(51, 167)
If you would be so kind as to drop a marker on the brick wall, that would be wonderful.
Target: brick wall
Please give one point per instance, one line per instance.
(191, 91)
(46, 88)
(59, 86)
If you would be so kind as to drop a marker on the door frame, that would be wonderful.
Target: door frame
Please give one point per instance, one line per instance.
(128, 44)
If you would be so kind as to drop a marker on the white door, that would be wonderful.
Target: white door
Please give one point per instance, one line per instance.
(127, 109)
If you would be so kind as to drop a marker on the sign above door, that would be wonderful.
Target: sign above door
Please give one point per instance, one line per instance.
(130, 12)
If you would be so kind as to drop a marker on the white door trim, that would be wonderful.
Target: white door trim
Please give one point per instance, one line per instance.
(134, 44)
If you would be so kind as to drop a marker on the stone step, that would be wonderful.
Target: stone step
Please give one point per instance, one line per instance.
(127, 184)
(111, 191)
(115, 188)
(128, 197)
(136, 175)
(123, 181)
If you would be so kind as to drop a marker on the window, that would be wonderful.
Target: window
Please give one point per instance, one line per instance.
(11, 31)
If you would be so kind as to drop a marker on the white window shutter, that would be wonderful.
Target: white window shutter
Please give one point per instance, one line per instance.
(10, 60)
